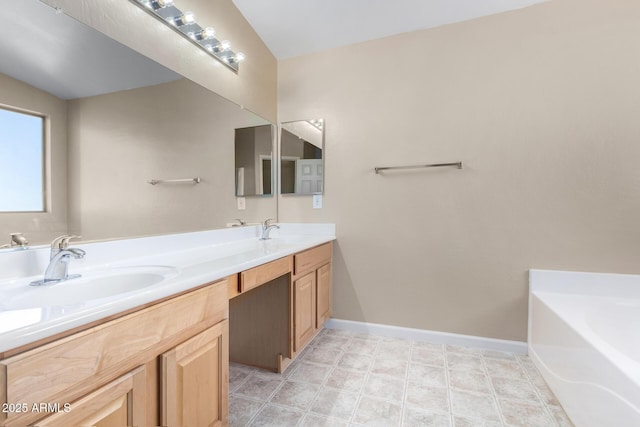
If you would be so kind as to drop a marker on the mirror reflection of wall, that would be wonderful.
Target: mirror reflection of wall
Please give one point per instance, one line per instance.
(113, 120)
(253, 153)
(301, 157)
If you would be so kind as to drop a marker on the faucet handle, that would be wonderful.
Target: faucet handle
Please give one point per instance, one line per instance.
(267, 222)
(62, 242)
(17, 239)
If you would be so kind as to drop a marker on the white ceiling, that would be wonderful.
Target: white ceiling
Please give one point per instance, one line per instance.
(298, 27)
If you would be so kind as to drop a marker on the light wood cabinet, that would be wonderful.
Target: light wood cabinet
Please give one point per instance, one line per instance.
(166, 363)
(304, 310)
(278, 308)
(195, 380)
(108, 373)
(119, 403)
(311, 293)
(323, 295)
(264, 273)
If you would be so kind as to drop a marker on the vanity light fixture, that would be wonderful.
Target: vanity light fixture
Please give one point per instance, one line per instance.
(184, 22)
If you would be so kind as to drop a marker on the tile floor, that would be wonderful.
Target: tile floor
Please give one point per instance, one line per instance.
(348, 379)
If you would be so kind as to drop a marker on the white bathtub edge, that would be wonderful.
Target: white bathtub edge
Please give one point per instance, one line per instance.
(517, 347)
(583, 283)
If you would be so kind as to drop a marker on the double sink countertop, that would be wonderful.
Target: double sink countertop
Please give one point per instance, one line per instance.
(120, 275)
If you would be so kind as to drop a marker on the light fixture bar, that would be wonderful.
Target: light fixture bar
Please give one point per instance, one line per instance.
(184, 22)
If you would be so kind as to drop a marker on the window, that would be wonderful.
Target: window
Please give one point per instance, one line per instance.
(22, 160)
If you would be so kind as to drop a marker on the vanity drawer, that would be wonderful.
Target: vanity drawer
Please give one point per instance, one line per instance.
(312, 258)
(71, 367)
(262, 274)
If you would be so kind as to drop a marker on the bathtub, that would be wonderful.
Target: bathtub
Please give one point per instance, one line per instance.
(584, 337)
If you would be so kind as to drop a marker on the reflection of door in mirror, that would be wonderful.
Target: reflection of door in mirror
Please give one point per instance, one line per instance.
(301, 157)
(308, 176)
(265, 173)
(288, 174)
(253, 151)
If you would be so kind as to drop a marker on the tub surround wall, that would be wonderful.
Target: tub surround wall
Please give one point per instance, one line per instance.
(541, 104)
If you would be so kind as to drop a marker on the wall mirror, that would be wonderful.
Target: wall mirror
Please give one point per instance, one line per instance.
(254, 165)
(115, 120)
(302, 157)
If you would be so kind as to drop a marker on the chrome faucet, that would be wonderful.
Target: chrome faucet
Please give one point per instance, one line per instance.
(58, 268)
(17, 240)
(266, 229)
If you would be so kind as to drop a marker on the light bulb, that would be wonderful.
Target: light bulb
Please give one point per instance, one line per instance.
(220, 47)
(207, 33)
(187, 18)
(163, 3)
(234, 59)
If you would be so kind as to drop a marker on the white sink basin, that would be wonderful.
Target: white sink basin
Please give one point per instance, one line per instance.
(91, 286)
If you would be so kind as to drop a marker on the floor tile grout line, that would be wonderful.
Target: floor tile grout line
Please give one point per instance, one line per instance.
(405, 386)
(494, 394)
(538, 393)
(365, 381)
(448, 382)
(267, 401)
(321, 387)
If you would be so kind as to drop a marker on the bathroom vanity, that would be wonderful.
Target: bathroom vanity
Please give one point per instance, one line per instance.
(159, 355)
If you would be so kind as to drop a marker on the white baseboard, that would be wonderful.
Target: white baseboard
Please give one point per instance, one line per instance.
(428, 336)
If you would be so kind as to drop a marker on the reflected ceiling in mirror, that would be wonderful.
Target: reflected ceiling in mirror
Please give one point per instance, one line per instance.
(302, 157)
(49, 50)
(114, 121)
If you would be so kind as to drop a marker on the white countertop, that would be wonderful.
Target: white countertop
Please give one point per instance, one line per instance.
(192, 258)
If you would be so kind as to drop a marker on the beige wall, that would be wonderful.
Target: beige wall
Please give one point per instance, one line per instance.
(541, 104)
(254, 87)
(119, 141)
(40, 227)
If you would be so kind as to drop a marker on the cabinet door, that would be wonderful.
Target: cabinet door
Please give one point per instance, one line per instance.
(323, 302)
(120, 403)
(304, 309)
(195, 380)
